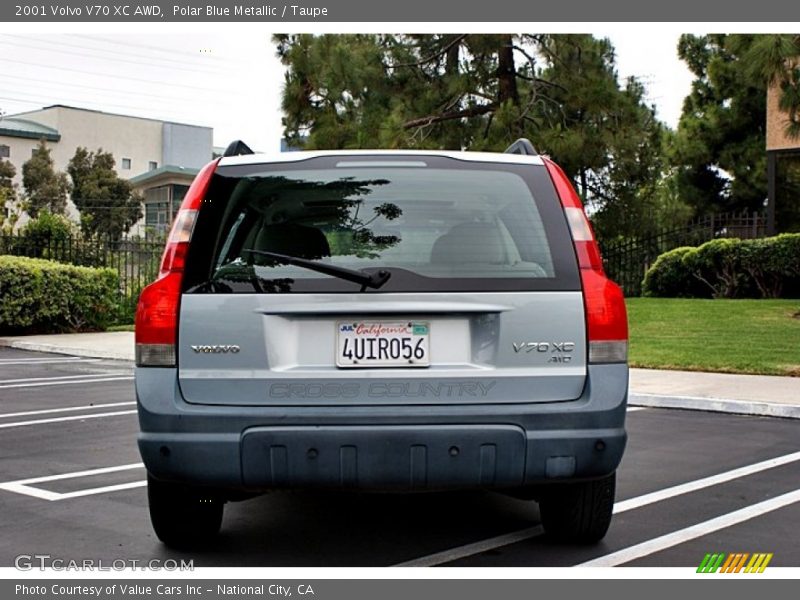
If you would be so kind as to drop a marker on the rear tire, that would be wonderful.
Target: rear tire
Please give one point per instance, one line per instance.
(183, 516)
(578, 512)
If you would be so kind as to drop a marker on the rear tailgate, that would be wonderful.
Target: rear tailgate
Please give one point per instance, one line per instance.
(487, 273)
(272, 349)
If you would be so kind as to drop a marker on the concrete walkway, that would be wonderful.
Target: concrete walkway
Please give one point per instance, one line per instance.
(717, 392)
(116, 345)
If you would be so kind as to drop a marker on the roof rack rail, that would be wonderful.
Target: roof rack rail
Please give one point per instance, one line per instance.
(236, 148)
(521, 146)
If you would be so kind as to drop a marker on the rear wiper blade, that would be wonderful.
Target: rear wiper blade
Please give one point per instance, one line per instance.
(374, 280)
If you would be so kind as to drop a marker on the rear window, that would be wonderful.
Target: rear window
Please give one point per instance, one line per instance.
(434, 224)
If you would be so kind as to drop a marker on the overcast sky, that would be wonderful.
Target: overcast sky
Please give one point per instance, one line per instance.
(230, 79)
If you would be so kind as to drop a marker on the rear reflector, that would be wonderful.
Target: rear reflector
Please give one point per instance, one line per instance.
(578, 224)
(178, 243)
(155, 355)
(608, 352)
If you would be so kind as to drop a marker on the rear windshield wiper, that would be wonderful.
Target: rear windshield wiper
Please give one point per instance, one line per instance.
(374, 280)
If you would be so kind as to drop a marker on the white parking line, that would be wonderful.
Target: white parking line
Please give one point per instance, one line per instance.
(61, 419)
(46, 361)
(34, 358)
(46, 411)
(636, 408)
(699, 484)
(619, 507)
(22, 486)
(695, 531)
(72, 381)
(446, 556)
(61, 377)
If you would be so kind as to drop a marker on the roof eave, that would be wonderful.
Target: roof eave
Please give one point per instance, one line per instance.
(31, 135)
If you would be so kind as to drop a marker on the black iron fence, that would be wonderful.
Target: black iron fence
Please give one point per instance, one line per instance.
(136, 260)
(626, 261)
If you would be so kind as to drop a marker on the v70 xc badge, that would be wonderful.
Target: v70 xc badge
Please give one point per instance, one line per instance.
(560, 351)
(543, 347)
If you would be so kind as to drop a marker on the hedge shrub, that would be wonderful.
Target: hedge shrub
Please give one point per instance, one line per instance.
(773, 265)
(717, 265)
(42, 296)
(669, 278)
(728, 268)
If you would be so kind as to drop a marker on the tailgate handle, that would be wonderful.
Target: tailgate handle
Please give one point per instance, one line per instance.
(377, 308)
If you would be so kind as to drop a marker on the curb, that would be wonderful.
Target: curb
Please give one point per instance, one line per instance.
(722, 405)
(61, 349)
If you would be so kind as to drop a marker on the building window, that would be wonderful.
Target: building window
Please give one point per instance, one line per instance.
(156, 208)
(5, 152)
(161, 204)
(178, 194)
(126, 164)
(152, 166)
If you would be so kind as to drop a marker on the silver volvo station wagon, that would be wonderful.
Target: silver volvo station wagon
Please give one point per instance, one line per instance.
(386, 321)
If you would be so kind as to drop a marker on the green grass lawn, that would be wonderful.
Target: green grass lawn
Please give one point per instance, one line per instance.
(729, 336)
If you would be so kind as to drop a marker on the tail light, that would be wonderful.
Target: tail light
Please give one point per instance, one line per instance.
(159, 303)
(606, 319)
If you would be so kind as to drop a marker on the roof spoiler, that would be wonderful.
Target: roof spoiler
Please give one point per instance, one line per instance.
(521, 146)
(238, 147)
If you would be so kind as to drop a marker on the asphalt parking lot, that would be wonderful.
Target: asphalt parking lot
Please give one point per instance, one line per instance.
(72, 487)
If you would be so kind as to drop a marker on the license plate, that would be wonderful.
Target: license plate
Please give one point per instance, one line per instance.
(382, 344)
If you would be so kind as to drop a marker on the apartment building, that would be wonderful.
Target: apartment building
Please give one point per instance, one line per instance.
(159, 157)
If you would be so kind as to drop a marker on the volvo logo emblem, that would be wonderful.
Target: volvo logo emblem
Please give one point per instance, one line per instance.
(221, 349)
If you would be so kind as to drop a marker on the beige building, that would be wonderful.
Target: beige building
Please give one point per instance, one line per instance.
(140, 146)
(783, 169)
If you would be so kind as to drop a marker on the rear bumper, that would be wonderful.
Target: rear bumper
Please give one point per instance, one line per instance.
(382, 447)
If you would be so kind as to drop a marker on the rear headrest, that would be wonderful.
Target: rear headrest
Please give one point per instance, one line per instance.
(293, 240)
(468, 243)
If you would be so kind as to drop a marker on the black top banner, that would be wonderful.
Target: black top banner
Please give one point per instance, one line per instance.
(443, 11)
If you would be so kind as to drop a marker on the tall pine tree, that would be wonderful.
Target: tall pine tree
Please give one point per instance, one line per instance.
(719, 147)
(45, 188)
(107, 203)
(480, 92)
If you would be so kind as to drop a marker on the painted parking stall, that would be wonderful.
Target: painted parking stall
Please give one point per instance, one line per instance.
(691, 483)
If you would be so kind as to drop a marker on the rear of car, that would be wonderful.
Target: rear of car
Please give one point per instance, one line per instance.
(410, 321)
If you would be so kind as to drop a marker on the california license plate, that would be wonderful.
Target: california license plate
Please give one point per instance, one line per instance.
(382, 344)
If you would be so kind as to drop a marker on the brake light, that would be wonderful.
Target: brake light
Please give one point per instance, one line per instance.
(606, 318)
(159, 303)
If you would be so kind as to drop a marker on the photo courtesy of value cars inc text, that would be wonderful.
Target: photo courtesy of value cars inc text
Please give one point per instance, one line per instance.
(169, 590)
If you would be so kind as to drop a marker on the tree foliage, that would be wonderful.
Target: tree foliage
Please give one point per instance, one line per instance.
(45, 188)
(7, 173)
(604, 135)
(775, 59)
(718, 149)
(107, 203)
(481, 92)
(8, 194)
